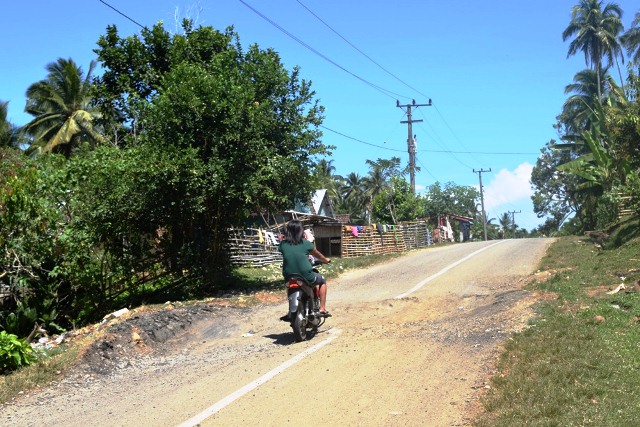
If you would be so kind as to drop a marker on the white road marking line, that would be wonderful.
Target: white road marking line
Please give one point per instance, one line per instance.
(218, 406)
(444, 270)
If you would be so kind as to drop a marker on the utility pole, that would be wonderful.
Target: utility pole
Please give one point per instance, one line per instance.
(513, 221)
(484, 215)
(411, 141)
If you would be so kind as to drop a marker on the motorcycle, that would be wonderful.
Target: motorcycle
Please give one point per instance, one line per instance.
(304, 306)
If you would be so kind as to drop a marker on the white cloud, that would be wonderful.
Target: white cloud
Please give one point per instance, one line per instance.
(509, 187)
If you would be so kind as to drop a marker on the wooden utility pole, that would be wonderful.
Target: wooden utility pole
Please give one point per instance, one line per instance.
(484, 215)
(513, 221)
(411, 141)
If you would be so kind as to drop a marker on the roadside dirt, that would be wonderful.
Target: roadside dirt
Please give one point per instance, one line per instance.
(425, 359)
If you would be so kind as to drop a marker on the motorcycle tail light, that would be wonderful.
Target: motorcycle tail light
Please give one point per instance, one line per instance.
(293, 284)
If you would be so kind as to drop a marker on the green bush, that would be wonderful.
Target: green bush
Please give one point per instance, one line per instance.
(14, 352)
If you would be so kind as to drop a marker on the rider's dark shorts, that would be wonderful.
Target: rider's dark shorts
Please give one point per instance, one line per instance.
(320, 280)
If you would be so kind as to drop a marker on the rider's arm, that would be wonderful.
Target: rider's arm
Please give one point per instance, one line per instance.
(317, 254)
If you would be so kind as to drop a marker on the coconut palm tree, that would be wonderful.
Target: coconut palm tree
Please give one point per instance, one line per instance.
(352, 196)
(595, 32)
(324, 174)
(631, 40)
(62, 109)
(8, 132)
(578, 108)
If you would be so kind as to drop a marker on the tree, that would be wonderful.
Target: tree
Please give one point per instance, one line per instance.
(505, 222)
(353, 197)
(8, 132)
(397, 203)
(631, 40)
(241, 129)
(381, 172)
(584, 95)
(555, 195)
(62, 109)
(325, 177)
(595, 30)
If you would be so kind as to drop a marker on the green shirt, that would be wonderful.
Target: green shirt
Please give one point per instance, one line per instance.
(295, 259)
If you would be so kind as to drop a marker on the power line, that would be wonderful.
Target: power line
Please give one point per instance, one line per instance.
(376, 87)
(426, 170)
(418, 151)
(489, 153)
(441, 144)
(121, 13)
(356, 48)
(359, 140)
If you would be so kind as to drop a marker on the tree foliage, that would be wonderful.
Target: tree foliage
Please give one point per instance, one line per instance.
(64, 116)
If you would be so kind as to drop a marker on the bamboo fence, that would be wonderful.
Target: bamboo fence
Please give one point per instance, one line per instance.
(247, 248)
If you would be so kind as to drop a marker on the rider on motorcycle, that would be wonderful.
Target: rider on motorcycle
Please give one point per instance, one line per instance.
(295, 252)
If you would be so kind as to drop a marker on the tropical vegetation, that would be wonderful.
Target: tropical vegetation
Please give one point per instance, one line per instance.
(590, 176)
(123, 186)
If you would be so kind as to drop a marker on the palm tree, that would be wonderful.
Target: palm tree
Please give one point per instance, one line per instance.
(61, 105)
(352, 196)
(631, 40)
(379, 180)
(324, 174)
(8, 132)
(584, 90)
(505, 222)
(595, 30)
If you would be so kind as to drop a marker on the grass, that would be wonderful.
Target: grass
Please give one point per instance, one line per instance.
(578, 362)
(48, 367)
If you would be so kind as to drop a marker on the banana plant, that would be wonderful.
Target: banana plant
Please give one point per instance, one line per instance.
(599, 166)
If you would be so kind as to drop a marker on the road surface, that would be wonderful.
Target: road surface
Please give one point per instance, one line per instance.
(411, 342)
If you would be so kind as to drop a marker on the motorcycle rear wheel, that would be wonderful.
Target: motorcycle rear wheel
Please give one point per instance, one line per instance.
(299, 326)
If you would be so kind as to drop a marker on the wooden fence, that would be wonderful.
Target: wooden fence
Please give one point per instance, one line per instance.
(254, 247)
(382, 239)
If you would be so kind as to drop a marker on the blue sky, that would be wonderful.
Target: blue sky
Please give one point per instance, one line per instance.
(495, 72)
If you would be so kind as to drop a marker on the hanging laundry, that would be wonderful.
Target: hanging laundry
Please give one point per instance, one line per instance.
(308, 235)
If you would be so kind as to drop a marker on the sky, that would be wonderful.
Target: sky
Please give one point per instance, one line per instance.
(495, 72)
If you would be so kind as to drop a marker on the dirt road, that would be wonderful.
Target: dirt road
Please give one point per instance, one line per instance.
(411, 342)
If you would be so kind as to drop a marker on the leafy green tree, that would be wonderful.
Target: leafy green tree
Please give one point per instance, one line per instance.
(62, 108)
(32, 218)
(239, 126)
(453, 199)
(555, 195)
(595, 30)
(397, 203)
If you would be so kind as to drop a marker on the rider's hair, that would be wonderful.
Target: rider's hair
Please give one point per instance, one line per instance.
(293, 232)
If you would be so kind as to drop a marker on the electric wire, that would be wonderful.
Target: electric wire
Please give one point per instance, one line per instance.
(426, 170)
(398, 79)
(359, 140)
(490, 153)
(356, 48)
(439, 141)
(324, 57)
(123, 14)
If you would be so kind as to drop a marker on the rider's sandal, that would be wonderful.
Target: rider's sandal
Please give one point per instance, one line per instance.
(325, 314)
(285, 318)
